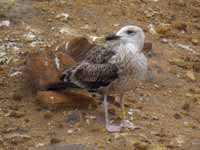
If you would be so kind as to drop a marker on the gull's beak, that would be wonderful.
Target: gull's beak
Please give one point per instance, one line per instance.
(112, 37)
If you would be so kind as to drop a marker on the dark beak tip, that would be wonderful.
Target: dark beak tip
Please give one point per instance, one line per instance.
(112, 37)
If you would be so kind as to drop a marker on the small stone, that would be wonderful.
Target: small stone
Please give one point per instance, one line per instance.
(147, 47)
(73, 117)
(55, 140)
(182, 63)
(70, 131)
(29, 37)
(195, 41)
(15, 138)
(177, 116)
(16, 114)
(196, 66)
(164, 40)
(17, 96)
(140, 146)
(52, 100)
(190, 75)
(197, 99)
(186, 106)
(179, 25)
(48, 115)
(163, 29)
(152, 29)
(66, 147)
(63, 17)
(5, 23)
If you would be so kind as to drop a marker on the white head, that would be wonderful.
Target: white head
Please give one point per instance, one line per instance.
(130, 34)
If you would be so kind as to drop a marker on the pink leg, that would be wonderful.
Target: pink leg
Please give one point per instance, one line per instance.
(110, 128)
(125, 123)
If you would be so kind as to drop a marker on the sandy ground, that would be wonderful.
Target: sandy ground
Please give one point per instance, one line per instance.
(167, 110)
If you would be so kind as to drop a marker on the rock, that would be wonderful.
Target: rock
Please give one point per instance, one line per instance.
(66, 147)
(52, 100)
(147, 47)
(186, 106)
(81, 99)
(55, 140)
(63, 17)
(163, 29)
(41, 69)
(196, 66)
(177, 116)
(17, 96)
(68, 98)
(197, 99)
(195, 41)
(5, 23)
(158, 147)
(29, 37)
(152, 29)
(15, 138)
(45, 67)
(180, 25)
(77, 47)
(64, 60)
(48, 115)
(73, 117)
(182, 63)
(190, 75)
(140, 146)
(16, 114)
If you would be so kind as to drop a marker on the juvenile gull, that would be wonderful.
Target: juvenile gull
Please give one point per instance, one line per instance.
(111, 69)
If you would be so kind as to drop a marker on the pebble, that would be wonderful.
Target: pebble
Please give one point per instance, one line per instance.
(73, 117)
(66, 147)
(63, 16)
(5, 23)
(195, 41)
(15, 114)
(48, 115)
(15, 138)
(29, 37)
(55, 140)
(177, 116)
(140, 146)
(152, 29)
(190, 75)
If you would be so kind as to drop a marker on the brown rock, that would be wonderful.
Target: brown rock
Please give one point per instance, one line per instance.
(147, 47)
(65, 60)
(196, 66)
(52, 99)
(76, 47)
(81, 98)
(163, 29)
(41, 69)
(45, 67)
(68, 98)
(180, 25)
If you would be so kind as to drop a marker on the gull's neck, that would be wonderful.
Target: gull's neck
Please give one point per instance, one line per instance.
(137, 44)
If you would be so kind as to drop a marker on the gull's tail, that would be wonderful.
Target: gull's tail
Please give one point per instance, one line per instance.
(61, 86)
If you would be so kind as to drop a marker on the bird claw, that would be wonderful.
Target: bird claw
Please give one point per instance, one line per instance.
(113, 128)
(128, 124)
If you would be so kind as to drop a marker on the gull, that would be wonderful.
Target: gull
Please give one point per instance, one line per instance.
(110, 69)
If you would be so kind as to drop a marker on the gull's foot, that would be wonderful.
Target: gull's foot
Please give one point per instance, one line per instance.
(113, 128)
(128, 124)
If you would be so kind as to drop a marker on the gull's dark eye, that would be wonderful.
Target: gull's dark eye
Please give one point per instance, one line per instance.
(130, 31)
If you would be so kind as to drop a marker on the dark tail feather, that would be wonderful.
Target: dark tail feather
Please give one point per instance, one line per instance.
(61, 86)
